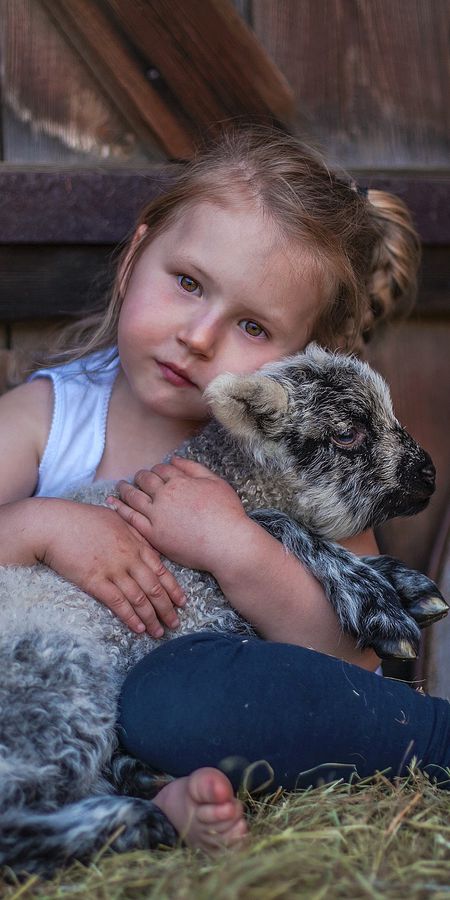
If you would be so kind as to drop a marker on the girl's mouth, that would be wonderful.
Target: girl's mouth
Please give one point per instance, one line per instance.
(174, 375)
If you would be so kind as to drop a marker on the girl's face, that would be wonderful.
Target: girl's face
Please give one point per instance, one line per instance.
(217, 292)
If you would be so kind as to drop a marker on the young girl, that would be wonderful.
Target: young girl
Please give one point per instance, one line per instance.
(256, 249)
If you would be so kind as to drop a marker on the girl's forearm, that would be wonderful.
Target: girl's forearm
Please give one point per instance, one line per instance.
(24, 530)
(280, 598)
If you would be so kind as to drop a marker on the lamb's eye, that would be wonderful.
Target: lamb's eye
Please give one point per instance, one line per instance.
(349, 438)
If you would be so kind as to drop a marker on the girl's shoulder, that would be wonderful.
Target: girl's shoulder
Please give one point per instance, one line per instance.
(28, 406)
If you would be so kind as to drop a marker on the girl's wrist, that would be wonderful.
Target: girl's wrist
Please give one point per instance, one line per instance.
(243, 550)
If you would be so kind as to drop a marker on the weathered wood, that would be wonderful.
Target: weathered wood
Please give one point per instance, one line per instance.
(40, 281)
(74, 206)
(104, 50)
(414, 358)
(370, 77)
(53, 109)
(100, 205)
(5, 356)
(208, 57)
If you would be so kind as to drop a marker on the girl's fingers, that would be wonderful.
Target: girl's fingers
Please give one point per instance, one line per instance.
(152, 607)
(166, 579)
(189, 467)
(137, 520)
(136, 497)
(163, 471)
(112, 597)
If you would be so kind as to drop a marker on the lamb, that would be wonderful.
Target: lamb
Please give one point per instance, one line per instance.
(313, 449)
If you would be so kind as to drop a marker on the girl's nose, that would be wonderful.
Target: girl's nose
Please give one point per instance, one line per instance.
(199, 335)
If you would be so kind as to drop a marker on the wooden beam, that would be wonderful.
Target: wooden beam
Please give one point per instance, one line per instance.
(105, 51)
(209, 58)
(69, 205)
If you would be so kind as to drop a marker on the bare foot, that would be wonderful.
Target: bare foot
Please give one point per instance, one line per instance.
(203, 809)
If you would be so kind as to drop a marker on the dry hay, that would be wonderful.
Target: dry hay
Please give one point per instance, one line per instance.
(373, 839)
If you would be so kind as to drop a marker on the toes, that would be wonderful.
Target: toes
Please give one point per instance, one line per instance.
(210, 786)
(221, 814)
(224, 835)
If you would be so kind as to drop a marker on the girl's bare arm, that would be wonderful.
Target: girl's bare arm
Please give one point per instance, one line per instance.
(91, 546)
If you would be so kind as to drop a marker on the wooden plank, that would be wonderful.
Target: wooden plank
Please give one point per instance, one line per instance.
(100, 205)
(209, 58)
(413, 356)
(370, 77)
(105, 51)
(5, 363)
(43, 281)
(74, 206)
(53, 109)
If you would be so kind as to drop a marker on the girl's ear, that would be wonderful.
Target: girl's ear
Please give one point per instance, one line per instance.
(137, 238)
(249, 406)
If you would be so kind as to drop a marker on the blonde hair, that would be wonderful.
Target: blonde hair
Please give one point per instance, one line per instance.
(364, 247)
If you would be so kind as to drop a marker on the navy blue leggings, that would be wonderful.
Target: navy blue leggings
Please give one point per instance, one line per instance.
(221, 700)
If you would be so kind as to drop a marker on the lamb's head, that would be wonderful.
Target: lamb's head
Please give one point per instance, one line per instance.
(326, 422)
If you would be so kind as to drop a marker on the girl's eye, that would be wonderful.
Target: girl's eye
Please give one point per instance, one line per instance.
(251, 328)
(189, 284)
(350, 438)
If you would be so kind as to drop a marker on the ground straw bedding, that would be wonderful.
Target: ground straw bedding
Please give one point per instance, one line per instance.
(373, 840)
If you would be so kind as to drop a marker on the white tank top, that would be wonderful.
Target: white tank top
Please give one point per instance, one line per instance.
(77, 435)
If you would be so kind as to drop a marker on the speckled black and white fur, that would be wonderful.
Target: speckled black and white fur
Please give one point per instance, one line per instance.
(313, 449)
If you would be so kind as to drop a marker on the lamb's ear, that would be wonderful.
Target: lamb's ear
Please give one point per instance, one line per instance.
(248, 405)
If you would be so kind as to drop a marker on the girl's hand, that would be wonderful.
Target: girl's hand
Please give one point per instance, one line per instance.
(96, 550)
(184, 510)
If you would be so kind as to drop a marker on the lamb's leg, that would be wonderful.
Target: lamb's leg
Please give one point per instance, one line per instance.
(419, 595)
(366, 603)
(40, 843)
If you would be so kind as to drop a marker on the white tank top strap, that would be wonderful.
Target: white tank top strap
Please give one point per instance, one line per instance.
(81, 391)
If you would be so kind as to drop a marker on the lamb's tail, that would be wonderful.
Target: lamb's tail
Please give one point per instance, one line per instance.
(39, 842)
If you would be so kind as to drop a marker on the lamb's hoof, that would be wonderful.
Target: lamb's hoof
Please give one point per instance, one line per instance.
(428, 610)
(392, 649)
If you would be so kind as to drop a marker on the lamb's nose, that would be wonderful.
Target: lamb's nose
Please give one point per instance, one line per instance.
(428, 473)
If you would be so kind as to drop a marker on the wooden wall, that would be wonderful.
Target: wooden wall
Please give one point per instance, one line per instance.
(370, 77)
